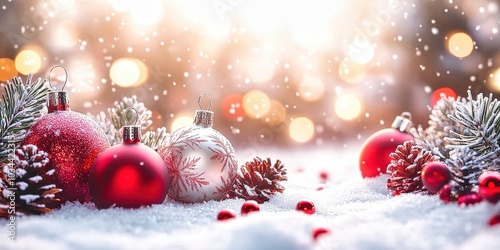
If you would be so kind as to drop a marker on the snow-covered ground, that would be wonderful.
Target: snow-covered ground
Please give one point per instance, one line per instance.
(361, 214)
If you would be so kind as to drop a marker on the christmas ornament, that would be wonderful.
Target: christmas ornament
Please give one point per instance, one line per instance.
(374, 156)
(469, 199)
(405, 168)
(305, 206)
(129, 174)
(28, 182)
(317, 232)
(435, 175)
(324, 176)
(72, 141)
(489, 186)
(258, 180)
(249, 207)
(200, 160)
(226, 214)
(445, 194)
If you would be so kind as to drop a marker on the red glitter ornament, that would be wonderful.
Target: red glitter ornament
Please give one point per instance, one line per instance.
(319, 232)
(469, 199)
(128, 175)
(249, 207)
(226, 214)
(72, 141)
(305, 206)
(374, 156)
(435, 175)
(489, 186)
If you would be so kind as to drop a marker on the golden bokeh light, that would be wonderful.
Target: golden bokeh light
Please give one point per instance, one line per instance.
(181, 121)
(350, 71)
(311, 89)
(348, 107)
(28, 61)
(460, 44)
(277, 113)
(128, 72)
(301, 129)
(256, 104)
(494, 80)
(7, 69)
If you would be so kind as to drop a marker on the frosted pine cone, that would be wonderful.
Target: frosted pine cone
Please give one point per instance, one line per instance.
(30, 181)
(259, 180)
(405, 168)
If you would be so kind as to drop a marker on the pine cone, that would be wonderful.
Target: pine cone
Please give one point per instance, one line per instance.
(33, 186)
(405, 168)
(259, 180)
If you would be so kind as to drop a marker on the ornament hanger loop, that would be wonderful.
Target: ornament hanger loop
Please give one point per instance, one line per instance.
(209, 100)
(406, 115)
(136, 116)
(65, 72)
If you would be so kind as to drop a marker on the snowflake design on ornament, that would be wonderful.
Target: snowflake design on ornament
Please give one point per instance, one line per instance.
(224, 153)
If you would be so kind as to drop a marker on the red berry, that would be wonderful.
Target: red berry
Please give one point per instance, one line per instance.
(226, 214)
(489, 186)
(435, 175)
(324, 176)
(469, 199)
(445, 194)
(249, 207)
(319, 231)
(495, 220)
(306, 207)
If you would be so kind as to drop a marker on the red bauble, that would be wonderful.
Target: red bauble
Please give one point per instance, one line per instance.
(72, 141)
(494, 220)
(435, 175)
(306, 207)
(489, 186)
(226, 214)
(469, 199)
(319, 231)
(129, 175)
(374, 156)
(249, 207)
(445, 194)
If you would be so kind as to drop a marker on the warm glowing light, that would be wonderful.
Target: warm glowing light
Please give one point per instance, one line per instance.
(350, 71)
(147, 12)
(311, 89)
(121, 5)
(232, 107)
(256, 104)
(277, 113)
(180, 122)
(460, 44)
(436, 95)
(348, 106)
(360, 51)
(64, 35)
(128, 72)
(28, 61)
(494, 80)
(261, 70)
(7, 69)
(301, 129)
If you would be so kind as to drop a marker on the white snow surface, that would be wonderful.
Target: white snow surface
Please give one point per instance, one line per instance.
(360, 213)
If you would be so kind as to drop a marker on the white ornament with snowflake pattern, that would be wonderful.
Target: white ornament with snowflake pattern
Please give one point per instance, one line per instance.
(200, 161)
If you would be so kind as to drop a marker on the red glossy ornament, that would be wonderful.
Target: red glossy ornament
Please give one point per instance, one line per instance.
(249, 207)
(374, 155)
(319, 232)
(489, 186)
(305, 206)
(128, 175)
(494, 220)
(226, 214)
(72, 141)
(469, 199)
(435, 175)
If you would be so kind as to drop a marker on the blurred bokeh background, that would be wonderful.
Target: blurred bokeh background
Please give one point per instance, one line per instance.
(280, 72)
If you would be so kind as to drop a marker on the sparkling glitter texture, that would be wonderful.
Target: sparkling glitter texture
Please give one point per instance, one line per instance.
(200, 161)
(72, 141)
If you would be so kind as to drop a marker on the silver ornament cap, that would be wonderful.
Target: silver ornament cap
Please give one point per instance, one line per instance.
(403, 122)
(204, 117)
(131, 133)
(58, 100)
